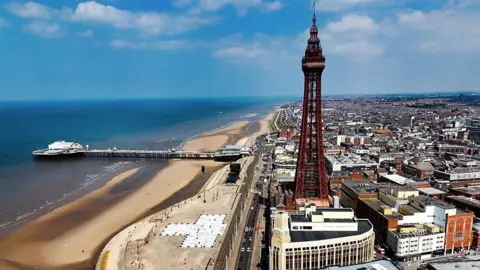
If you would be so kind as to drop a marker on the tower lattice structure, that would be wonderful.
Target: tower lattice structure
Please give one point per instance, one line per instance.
(311, 177)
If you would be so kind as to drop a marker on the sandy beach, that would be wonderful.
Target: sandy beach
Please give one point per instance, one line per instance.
(211, 141)
(71, 236)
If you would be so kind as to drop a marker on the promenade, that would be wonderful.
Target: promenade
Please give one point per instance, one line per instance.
(141, 245)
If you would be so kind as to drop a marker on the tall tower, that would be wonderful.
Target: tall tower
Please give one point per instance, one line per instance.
(311, 177)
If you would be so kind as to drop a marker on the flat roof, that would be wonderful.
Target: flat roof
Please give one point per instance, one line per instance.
(465, 200)
(376, 204)
(376, 265)
(456, 265)
(320, 211)
(398, 179)
(360, 187)
(472, 190)
(305, 236)
(349, 160)
(299, 218)
(430, 191)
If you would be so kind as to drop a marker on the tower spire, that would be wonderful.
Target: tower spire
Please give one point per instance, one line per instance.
(314, 42)
(314, 18)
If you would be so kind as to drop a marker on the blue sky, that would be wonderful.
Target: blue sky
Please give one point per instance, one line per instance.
(73, 49)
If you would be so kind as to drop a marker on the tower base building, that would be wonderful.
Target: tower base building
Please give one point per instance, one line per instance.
(316, 238)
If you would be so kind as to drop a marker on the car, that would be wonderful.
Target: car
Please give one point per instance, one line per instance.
(243, 249)
(248, 249)
(244, 240)
(250, 239)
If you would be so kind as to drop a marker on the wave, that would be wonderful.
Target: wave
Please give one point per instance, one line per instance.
(250, 115)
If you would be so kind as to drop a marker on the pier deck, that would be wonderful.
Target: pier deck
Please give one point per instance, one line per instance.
(150, 154)
(140, 154)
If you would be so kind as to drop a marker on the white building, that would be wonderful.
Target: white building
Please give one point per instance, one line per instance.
(358, 139)
(412, 242)
(318, 238)
(63, 145)
(350, 163)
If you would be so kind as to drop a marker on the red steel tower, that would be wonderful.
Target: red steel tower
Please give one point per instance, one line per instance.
(311, 178)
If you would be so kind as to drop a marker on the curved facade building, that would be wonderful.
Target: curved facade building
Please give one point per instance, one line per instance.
(319, 238)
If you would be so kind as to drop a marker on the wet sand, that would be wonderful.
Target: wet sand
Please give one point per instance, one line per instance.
(71, 236)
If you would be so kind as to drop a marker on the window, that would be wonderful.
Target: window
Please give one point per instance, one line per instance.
(458, 235)
(307, 227)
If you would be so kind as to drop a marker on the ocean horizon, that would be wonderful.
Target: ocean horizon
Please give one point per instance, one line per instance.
(28, 187)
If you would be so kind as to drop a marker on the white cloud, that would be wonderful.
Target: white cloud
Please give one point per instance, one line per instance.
(359, 49)
(30, 10)
(86, 33)
(352, 23)
(266, 51)
(3, 22)
(44, 29)
(120, 43)
(171, 45)
(154, 45)
(353, 36)
(440, 30)
(148, 22)
(273, 6)
(340, 5)
(94, 12)
(235, 53)
(198, 6)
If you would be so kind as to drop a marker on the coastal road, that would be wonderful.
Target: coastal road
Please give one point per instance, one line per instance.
(246, 247)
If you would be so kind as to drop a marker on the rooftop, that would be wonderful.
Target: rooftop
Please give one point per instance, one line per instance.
(424, 200)
(360, 187)
(467, 265)
(377, 204)
(304, 236)
(465, 200)
(398, 179)
(475, 190)
(350, 159)
(430, 191)
(376, 265)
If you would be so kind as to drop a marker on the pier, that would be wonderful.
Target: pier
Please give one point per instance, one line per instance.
(158, 154)
(65, 150)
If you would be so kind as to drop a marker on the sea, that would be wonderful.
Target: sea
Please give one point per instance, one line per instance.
(29, 188)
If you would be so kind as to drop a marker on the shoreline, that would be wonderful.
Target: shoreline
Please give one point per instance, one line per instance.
(16, 251)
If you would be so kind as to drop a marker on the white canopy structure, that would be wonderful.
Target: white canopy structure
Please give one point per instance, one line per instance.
(204, 233)
(63, 145)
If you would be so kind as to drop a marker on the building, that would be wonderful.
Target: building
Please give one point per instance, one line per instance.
(415, 241)
(375, 265)
(339, 164)
(352, 191)
(403, 206)
(320, 237)
(420, 170)
(64, 146)
(357, 139)
(458, 174)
